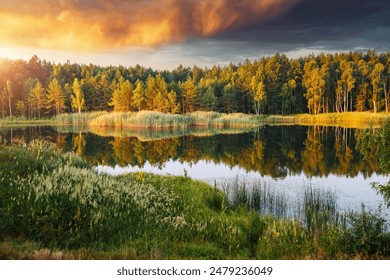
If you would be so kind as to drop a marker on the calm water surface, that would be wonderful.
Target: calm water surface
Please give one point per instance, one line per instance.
(288, 158)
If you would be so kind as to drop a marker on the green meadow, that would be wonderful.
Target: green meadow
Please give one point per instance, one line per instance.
(56, 206)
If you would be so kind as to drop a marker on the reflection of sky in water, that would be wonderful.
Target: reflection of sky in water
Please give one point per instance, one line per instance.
(351, 191)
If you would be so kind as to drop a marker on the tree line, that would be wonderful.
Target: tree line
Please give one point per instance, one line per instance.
(323, 83)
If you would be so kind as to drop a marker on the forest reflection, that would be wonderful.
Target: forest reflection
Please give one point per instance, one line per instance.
(276, 151)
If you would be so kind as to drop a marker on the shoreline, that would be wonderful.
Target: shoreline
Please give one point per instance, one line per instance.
(155, 120)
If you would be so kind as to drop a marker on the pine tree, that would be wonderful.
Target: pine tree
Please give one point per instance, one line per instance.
(172, 105)
(122, 97)
(189, 95)
(37, 98)
(138, 95)
(55, 97)
(208, 100)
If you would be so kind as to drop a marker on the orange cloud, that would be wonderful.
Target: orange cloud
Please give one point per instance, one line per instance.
(114, 24)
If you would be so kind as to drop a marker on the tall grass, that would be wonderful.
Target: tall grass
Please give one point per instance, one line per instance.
(348, 119)
(258, 197)
(266, 200)
(22, 120)
(146, 119)
(152, 119)
(77, 119)
(311, 225)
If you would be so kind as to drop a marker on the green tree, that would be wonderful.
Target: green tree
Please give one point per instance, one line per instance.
(37, 99)
(161, 95)
(20, 108)
(55, 97)
(288, 98)
(78, 100)
(121, 99)
(150, 92)
(208, 99)
(376, 82)
(363, 86)
(190, 95)
(346, 83)
(171, 103)
(259, 94)
(386, 84)
(229, 101)
(314, 83)
(28, 86)
(9, 94)
(138, 95)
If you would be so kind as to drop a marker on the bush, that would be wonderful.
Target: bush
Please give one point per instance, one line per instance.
(366, 233)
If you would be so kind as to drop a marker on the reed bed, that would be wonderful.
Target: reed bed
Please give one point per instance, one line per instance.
(267, 200)
(77, 119)
(348, 119)
(152, 119)
(158, 120)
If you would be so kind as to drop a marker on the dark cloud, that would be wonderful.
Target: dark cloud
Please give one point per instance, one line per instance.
(334, 23)
(203, 32)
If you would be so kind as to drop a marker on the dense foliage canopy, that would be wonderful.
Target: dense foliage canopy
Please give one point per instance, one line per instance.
(276, 84)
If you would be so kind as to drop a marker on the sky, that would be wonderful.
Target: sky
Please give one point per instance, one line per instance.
(163, 34)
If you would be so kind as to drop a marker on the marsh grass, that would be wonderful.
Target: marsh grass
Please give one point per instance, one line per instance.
(22, 121)
(254, 195)
(348, 119)
(310, 225)
(156, 120)
(143, 119)
(267, 200)
(77, 119)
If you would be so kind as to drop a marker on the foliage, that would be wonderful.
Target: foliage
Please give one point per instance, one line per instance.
(377, 142)
(121, 99)
(329, 83)
(37, 99)
(55, 97)
(366, 233)
(78, 100)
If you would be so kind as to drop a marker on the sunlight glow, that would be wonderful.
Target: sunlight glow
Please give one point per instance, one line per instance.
(76, 26)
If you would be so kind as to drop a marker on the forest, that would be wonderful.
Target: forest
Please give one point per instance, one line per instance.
(324, 83)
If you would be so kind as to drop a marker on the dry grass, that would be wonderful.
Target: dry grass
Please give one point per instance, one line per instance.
(158, 120)
(349, 119)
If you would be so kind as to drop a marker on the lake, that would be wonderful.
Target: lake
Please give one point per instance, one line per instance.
(285, 158)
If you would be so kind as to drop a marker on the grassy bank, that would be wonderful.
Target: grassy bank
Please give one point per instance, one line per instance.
(157, 120)
(23, 121)
(54, 206)
(350, 119)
